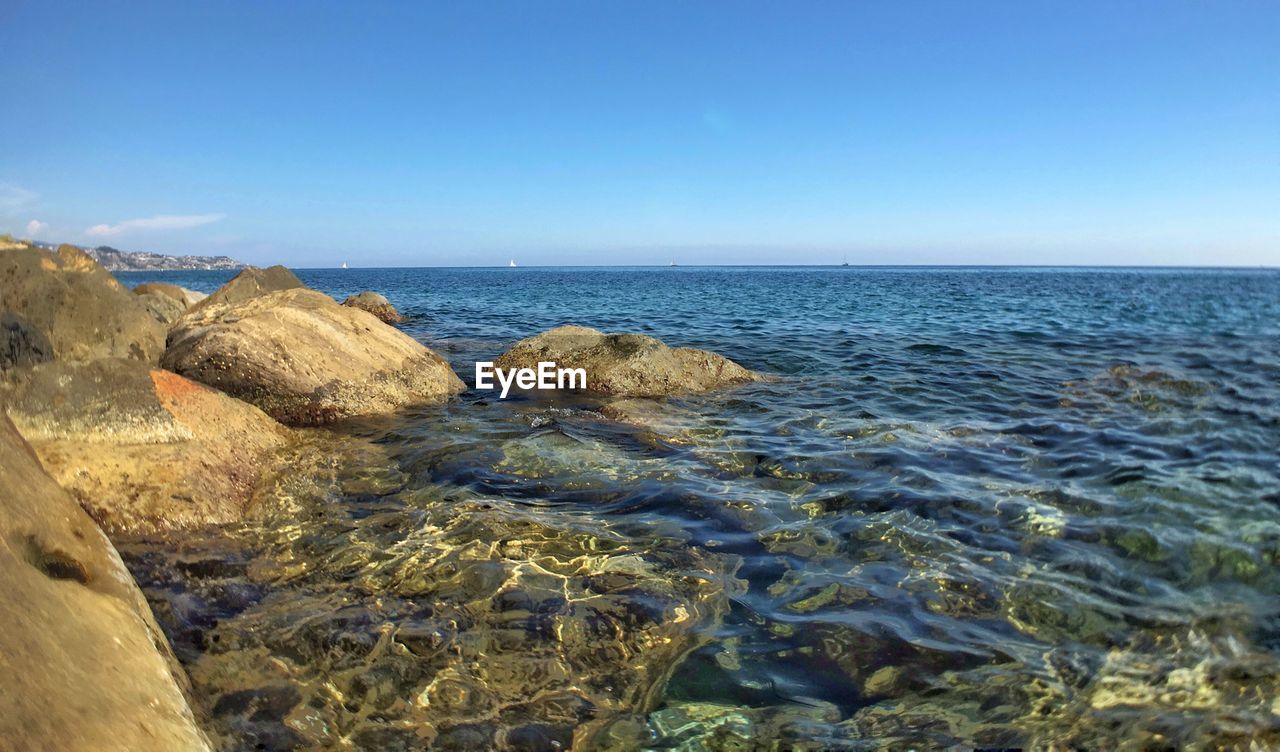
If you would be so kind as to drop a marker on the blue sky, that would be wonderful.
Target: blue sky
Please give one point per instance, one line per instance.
(565, 133)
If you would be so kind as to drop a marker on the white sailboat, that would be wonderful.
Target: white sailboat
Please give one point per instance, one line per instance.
(344, 265)
(511, 263)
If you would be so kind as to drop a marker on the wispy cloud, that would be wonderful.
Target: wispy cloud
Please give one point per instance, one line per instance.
(36, 228)
(14, 199)
(162, 222)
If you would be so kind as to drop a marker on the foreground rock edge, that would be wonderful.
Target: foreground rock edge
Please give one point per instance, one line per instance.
(86, 667)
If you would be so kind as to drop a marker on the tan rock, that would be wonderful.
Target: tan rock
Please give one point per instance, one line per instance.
(78, 305)
(376, 304)
(306, 360)
(143, 450)
(631, 365)
(83, 666)
(252, 282)
(182, 295)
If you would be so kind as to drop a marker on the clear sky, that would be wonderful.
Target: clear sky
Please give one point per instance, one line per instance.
(468, 133)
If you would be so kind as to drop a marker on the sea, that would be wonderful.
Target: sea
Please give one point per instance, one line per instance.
(974, 507)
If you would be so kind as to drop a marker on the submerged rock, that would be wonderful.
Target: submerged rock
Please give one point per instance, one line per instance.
(142, 450)
(632, 365)
(252, 282)
(663, 421)
(85, 665)
(710, 727)
(434, 618)
(82, 310)
(376, 304)
(306, 360)
(21, 344)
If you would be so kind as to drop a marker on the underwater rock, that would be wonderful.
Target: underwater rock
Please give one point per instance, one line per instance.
(143, 450)
(21, 344)
(304, 359)
(163, 308)
(376, 304)
(186, 298)
(250, 283)
(662, 421)
(588, 464)
(78, 305)
(440, 619)
(633, 365)
(712, 727)
(85, 666)
(1150, 390)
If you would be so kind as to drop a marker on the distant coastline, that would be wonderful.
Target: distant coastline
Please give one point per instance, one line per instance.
(115, 260)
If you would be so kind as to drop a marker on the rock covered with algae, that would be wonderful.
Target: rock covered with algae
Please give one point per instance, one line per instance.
(376, 304)
(631, 365)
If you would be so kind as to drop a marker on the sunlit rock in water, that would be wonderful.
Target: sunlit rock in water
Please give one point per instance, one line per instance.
(663, 420)
(376, 304)
(304, 359)
(589, 463)
(1148, 389)
(1178, 690)
(432, 616)
(629, 365)
(710, 727)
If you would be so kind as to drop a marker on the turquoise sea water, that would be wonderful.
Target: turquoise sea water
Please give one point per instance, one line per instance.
(979, 507)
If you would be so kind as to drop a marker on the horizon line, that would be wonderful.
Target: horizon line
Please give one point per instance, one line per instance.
(1249, 267)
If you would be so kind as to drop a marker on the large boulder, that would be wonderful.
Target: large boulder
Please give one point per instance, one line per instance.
(630, 365)
(78, 305)
(85, 668)
(21, 344)
(182, 295)
(306, 360)
(142, 450)
(250, 283)
(376, 304)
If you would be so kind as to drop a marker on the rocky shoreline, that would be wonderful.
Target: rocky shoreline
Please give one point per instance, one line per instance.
(156, 411)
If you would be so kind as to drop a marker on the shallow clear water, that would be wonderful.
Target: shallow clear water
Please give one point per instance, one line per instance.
(993, 507)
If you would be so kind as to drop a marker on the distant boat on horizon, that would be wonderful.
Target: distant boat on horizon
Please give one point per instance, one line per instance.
(846, 260)
(673, 261)
(511, 263)
(344, 265)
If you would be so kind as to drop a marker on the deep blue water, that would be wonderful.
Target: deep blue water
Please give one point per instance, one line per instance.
(993, 506)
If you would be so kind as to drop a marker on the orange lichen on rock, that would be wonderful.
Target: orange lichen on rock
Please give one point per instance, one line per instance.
(170, 387)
